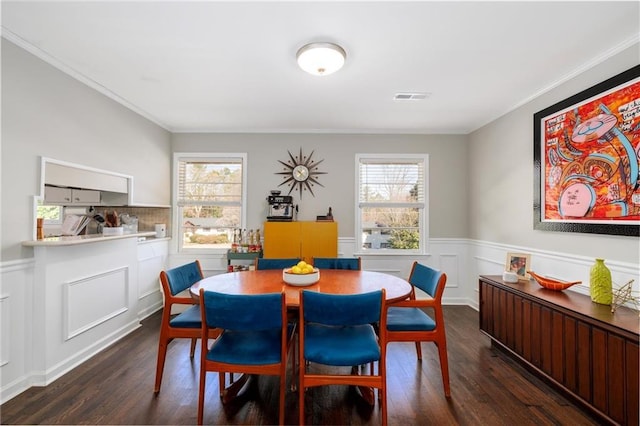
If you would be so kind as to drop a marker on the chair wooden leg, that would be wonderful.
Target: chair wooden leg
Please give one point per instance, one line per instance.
(283, 387)
(382, 397)
(444, 366)
(193, 347)
(294, 362)
(162, 354)
(203, 375)
(419, 351)
(221, 382)
(301, 371)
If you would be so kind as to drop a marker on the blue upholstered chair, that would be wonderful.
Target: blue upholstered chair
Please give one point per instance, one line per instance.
(255, 339)
(408, 322)
(185, 325)
(349, 263)
(336, 330)
(265, 263)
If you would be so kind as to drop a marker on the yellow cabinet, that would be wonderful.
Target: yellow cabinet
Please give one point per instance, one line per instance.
(305, 240)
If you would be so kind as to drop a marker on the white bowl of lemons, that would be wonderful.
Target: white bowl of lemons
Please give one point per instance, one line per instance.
(301, 274)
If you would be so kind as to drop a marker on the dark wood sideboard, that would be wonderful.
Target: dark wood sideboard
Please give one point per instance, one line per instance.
(576, 345)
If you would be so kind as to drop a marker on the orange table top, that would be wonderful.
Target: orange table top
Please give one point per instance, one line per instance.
(332, 281)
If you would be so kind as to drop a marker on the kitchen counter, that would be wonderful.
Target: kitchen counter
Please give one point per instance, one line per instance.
(151, 239)
(83, 239)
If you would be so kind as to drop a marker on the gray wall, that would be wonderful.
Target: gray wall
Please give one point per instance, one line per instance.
(480, 185)
(447, 172)
(48, 113)
(501, 177)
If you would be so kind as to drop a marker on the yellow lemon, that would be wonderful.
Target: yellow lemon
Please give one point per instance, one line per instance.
(308, 269)
(296, 270)
(302, 264)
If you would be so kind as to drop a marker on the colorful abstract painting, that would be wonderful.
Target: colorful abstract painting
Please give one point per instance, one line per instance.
(588, 159)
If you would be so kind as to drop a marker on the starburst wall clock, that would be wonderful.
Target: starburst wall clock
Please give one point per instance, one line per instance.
(301, 172)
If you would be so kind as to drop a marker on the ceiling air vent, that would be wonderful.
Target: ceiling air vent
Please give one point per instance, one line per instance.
(410, 96)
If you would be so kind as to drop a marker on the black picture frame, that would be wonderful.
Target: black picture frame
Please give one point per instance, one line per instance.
(610, 226)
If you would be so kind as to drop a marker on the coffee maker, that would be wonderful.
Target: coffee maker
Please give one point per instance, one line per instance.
(281, 208)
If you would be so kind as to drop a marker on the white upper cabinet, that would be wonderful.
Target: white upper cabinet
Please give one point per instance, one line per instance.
(67, 184)
(71, 176)
(55, 195)
(68, 196)
(85, 196)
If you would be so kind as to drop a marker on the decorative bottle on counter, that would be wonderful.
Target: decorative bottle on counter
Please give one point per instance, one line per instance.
(234, 243)
(600, 286)
(244, 241)
(252, 241)
(258, 241)
(40, 228)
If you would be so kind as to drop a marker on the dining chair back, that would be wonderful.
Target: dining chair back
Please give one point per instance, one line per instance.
(273, 263)
(186, 324)
(336, 330)
(348, 263)
(255, 339)
(407, 320)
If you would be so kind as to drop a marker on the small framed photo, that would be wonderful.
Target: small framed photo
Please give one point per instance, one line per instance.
(519, 263)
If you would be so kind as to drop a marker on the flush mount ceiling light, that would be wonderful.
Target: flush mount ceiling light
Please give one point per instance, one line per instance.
(321, 58)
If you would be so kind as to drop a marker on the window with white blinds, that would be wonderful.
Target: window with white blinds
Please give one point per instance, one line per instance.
(209, 198)
(391, 202)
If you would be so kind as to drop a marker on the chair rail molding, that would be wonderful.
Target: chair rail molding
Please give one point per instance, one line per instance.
(488, 258)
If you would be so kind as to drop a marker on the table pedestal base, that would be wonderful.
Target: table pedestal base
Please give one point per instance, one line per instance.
(367, 393)
(237, 388)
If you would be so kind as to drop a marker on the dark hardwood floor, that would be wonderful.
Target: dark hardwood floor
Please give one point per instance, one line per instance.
(116, 387)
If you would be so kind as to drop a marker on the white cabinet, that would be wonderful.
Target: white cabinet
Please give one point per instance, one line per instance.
(152, 258)
(55, 195)
(68, 196)
(85, 196)
(98, 186)
(68, 175)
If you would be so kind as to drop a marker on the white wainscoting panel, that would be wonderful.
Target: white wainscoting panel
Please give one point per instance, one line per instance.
(450, 263)
(5, 328)
(446, 254)
(22, 366)
(211, 263)
(490, 259)
(149, 276)
(16, 315)
(58, 314)
(87, 305)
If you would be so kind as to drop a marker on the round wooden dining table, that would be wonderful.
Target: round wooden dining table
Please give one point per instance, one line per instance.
(332, 281)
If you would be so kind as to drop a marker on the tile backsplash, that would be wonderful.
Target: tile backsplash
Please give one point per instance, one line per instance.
(147, 216)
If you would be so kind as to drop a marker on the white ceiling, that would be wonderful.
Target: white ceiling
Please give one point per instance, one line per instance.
(230, 66)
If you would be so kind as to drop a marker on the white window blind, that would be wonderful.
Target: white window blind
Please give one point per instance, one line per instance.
(391, 202)
(202, 182)
(209, 197)
(392, 181)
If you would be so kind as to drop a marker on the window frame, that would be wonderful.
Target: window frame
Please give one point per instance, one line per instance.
(51, 222)
(176, 208)
(423, 220)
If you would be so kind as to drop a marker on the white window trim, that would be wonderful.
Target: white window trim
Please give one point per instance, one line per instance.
(424, 216)
(176, 225)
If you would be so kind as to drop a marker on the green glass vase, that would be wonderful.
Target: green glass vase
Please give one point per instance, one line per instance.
(600, 283)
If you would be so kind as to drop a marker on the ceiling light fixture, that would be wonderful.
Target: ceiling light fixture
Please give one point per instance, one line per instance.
(321, 58)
